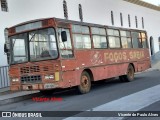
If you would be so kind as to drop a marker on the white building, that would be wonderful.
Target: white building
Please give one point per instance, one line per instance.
(13, 12)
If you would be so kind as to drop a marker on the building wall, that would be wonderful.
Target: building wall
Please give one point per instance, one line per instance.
(94, 11)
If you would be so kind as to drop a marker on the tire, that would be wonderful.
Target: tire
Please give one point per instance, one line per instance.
(85, 83)
(46, 92)
(121, 78)
(130, 74)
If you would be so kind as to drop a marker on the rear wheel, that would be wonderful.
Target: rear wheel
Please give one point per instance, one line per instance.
(85, 83)
(121, 78)
(129, 76)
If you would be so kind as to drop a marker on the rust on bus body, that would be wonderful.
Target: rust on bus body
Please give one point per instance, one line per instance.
(70, 70)
(104, 63)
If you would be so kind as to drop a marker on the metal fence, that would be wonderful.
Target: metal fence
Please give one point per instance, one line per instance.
(4, 78)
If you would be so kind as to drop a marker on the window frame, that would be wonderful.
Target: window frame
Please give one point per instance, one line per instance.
(129, 20)
(12, 60)
(100, 35)
(82, 34)
(4, 6)
(127, 37)
(114, 36)
(145, 39)
(56, 42)
(72, 47)
(139, 39)
(112, 17)
(136, 21)
(121, 19)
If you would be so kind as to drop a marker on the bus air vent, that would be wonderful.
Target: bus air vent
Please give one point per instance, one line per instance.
(25, 70)
(34, 69)
(45, 68)
(31, 79)
(31, 69)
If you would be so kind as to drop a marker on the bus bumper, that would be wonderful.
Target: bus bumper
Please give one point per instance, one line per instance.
(27, 87)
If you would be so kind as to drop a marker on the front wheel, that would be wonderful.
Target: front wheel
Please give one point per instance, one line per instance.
(85, 83)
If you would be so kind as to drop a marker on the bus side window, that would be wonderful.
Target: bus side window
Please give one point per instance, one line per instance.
(65, 47)
(99, 37)
(126, 39)
(114, 42)
(81, 37)
(144, 40)
(136, 40)
(113, 38)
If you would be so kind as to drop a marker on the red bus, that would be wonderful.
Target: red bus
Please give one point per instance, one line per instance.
(53, 53)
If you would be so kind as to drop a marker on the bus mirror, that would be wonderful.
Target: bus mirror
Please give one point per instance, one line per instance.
(64, 36)
(6, 50)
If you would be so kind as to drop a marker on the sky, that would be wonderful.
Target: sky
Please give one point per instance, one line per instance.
(155, 2)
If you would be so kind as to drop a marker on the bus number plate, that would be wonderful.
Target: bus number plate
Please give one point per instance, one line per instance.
(49, 85)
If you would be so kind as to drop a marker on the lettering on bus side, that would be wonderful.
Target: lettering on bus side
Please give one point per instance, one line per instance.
(122, 56)
(136, 55)
(115, 56)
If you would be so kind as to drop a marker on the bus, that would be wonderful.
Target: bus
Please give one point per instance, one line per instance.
(53, 53)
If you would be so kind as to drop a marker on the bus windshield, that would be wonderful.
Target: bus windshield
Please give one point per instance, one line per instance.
(34, 46)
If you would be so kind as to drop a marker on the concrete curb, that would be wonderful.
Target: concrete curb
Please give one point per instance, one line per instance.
(149, 70)
(152, 69)
(18, 98)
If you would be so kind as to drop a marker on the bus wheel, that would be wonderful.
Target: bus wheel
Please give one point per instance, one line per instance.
(130, 74)
(85, 83)
(121, 78)
(46, 92)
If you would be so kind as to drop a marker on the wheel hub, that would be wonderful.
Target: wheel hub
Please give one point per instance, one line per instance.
(131, 73)
(84, 81)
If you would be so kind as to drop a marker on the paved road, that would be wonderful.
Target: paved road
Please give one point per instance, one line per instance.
(111, 95)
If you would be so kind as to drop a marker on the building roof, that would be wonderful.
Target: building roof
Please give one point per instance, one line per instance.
(144, 4)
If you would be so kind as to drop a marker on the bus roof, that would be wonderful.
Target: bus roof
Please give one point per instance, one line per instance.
(76, 22)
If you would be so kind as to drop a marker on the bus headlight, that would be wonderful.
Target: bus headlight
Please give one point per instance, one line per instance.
(15, 80)
(48, 77)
